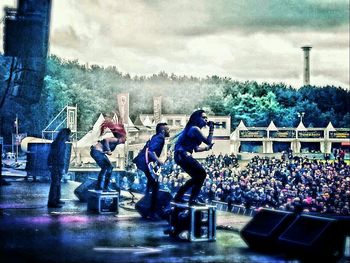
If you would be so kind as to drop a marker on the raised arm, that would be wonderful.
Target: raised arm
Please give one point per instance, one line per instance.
(195, 132)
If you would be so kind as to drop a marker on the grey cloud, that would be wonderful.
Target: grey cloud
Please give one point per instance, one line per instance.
(66, 37)
(334, 73)
(145, 37)
(271, 15)
(337, 42)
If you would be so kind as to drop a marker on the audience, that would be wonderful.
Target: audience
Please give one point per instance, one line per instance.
(289, 183)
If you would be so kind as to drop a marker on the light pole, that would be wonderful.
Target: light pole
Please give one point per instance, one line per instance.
(16, 141)
(301, 115)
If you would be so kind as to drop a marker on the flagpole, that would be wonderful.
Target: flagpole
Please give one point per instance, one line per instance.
(16, 138)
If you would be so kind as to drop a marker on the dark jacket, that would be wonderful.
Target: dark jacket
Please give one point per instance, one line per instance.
(155, 144)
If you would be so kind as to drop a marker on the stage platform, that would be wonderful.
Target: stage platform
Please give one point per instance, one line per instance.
(30, 232)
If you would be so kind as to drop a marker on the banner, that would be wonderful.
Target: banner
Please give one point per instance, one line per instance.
(253, 134)
(72, 118)
(339, 134)
(283, 134)
(123, 105)
(157, 108)
(311, 134)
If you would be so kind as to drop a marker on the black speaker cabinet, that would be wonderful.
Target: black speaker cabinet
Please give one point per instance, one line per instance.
(37, 156)
(82, 191)
(313, 236)
(192, 223)
(262, 231)
(163, 205)
(36, 165)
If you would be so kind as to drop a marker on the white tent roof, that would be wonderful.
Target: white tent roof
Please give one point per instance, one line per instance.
(330, 127)
(241, 126)
(93, 135)
(272, 127)
(301, 127)
(147, 122)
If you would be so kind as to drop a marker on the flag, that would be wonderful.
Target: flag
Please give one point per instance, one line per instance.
(123, 104)
(157, 108)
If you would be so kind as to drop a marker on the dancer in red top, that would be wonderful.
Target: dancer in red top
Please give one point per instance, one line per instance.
(105, 147)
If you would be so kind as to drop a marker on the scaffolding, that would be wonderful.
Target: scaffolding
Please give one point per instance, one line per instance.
(66, 118)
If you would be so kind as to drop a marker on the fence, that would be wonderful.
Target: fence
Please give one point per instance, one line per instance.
(235, 209)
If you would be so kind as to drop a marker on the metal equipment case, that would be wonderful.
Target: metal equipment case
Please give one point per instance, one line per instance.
(193, 223)
(103, 202)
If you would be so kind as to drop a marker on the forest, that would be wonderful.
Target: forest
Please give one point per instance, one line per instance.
(94, 90)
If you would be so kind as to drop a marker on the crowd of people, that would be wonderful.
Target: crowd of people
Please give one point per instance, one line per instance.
(296, 184)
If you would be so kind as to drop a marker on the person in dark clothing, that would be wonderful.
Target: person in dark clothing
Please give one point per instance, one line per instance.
(105, 147)
(57, 165)
(147, 157)
(189, 140)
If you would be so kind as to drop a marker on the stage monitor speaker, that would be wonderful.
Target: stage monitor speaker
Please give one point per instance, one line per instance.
(82, 190)
(313, 236)
(163, 205)
(262, 231)
(89, 184)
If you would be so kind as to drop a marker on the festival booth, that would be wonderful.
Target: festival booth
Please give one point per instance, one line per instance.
(272, 139)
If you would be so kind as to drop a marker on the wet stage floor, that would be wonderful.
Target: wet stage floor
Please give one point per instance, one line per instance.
(30, 232)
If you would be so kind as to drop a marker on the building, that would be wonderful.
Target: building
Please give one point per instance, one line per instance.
(274, 139)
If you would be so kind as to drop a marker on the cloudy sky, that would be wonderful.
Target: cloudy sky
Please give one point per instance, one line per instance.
(242, 39)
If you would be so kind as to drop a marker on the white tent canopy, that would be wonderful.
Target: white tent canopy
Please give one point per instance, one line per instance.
(89, 139)
(93, 135)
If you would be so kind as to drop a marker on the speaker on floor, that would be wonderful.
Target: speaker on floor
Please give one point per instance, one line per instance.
(262, 231)
(82, 190)
(162, 208)
(313, 236)
(36, 165)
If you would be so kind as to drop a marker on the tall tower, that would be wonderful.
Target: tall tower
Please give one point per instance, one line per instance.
(306, 50)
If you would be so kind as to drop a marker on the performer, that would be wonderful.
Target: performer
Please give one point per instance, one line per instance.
(147, 157)
(189, 140)
(57, 165)
(105, 147)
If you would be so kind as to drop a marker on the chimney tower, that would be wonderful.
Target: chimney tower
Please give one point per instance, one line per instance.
(306, 50)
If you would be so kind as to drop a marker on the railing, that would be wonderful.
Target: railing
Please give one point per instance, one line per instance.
(235, 209)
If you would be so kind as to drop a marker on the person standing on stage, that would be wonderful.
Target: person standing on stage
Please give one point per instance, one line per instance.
(105, 147)
(189, 140)
(57, 165)
(147, 157)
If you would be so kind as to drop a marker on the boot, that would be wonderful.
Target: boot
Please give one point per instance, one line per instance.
(98, 186)
(106, 184)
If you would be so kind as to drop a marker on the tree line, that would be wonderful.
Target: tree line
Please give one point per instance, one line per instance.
(94, 90)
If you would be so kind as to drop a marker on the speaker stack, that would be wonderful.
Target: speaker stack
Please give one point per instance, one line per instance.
(302, 235)
(163, 205)
(266, 226)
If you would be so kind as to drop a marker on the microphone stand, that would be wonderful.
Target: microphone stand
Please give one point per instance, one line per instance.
(132, 198)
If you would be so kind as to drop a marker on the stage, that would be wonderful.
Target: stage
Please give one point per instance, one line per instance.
(30, 232)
